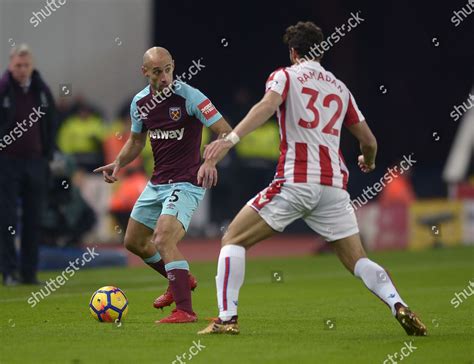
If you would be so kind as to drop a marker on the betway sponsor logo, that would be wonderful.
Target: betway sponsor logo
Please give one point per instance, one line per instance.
(167, 134)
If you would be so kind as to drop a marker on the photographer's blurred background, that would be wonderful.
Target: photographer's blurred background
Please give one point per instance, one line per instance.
(412, 76)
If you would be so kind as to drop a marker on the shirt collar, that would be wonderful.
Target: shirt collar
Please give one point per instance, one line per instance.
(26, 86)
(313, 63)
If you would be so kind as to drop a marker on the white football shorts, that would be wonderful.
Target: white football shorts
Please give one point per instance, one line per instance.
(325, 209)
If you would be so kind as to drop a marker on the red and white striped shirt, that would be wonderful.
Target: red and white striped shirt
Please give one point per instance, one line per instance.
(315, 106)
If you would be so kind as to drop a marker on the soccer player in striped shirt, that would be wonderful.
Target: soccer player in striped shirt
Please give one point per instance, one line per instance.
(310, 182)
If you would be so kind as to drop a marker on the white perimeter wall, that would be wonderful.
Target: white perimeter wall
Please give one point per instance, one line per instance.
(96, 45)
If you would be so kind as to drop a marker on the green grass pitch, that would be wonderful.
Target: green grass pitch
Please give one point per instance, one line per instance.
(281, 322)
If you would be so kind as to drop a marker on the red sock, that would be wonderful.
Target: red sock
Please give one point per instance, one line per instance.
(179, 283)
(159, 267)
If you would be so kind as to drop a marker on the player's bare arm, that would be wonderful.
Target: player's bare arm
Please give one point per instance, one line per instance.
(131, 150)
(221, 128)
(207, 174)
(368, 146)
(257, 116)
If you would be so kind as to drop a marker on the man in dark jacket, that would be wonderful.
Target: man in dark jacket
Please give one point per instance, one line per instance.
(27, 133)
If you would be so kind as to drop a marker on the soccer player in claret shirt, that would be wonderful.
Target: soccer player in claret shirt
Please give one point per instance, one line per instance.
(172, 114)
(310, 182)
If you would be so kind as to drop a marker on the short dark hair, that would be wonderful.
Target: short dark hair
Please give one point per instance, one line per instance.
(303, 36)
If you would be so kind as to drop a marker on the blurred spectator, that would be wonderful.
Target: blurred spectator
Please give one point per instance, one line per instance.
(67, 216)
(67, 107)
(254, 159)
(221, 201)
(28, 126)
(81, 135)
(258, 154)
(117, 135)
(125, 195)
(400, 191)
(79, 101)
(132, 177)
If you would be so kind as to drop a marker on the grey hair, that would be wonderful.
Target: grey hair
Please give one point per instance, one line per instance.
(20, 50)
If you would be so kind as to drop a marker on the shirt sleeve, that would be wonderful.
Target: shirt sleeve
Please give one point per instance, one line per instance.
(353, 114)
(137, 123)
(278, 82)
(202, 108)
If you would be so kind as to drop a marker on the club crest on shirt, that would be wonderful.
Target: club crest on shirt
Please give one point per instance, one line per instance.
(175, 113)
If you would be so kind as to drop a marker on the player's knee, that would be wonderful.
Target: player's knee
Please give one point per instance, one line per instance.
(134, 244)
(225, 240)
(163, 240)
(130, 244)
(230, 238)
(350, 250)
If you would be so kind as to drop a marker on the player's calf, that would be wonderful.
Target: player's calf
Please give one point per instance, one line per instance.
(167, 299)
(378, 281)
(166, 236)
(133, 246)
(168, 233)
(245, 230)
(138, 241)
(165, 239)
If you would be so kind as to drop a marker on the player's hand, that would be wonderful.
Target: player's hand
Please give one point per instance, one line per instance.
(207, 175)
(216, 148)
(363, 166)
(109, 172)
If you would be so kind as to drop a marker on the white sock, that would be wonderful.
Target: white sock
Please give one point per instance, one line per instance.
(378, 281)
(229, 279)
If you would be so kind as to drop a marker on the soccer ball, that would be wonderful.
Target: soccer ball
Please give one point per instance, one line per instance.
(108, 304)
